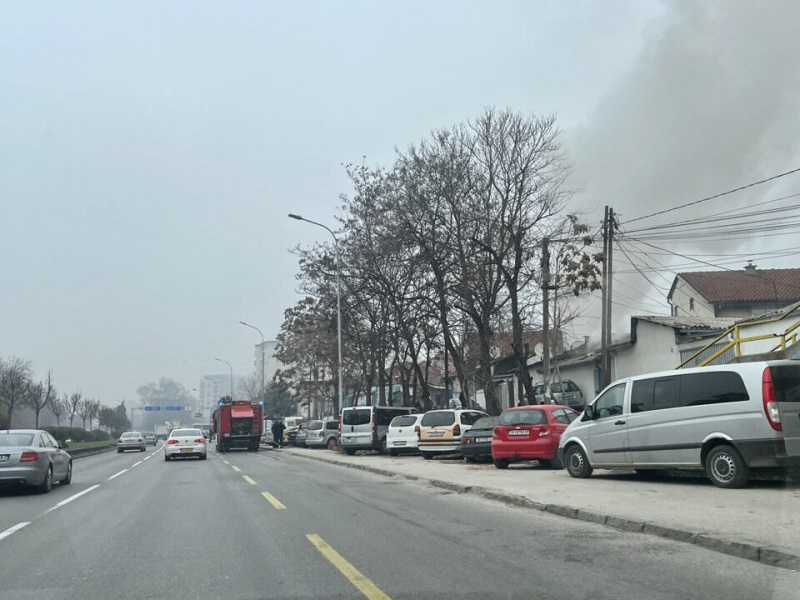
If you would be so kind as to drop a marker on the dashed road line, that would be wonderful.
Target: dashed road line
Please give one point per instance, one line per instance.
(11, 530)
(249, 480)
(353, 575)
(117, 474)
(273, 500)
(79, 494)
(136, 464)
(237, 469)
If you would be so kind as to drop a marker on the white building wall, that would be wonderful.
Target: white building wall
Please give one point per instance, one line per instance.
(688, 301)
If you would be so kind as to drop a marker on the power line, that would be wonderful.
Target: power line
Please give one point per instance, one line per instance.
(706, 199)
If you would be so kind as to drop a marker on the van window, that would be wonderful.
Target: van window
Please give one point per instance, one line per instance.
(356, 416)
(385, 415)
(609, 404)
(332, 425)
(438, 419)
(787, 382)
(571, 387)
(715, 387)
(665, 393)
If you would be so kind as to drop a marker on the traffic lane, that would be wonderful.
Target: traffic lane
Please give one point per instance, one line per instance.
(23, 504)
(457, 545)
(185, 528)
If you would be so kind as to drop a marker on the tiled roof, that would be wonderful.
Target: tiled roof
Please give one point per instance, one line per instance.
(689, 322)
(746, 286)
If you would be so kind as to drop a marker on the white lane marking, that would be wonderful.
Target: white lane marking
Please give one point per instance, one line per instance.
(136, 464)
(11, 530)
(76, 496)
(117, 474)
(146, 457)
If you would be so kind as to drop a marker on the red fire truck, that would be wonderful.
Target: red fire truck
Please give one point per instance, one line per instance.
(237, 424)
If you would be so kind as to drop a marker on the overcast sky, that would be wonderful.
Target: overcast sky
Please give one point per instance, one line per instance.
(151, 150)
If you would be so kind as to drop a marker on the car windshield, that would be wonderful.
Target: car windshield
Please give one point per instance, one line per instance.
(523, 417)
(438, 419)
(185, 433)
(485, 423)
(16, 439)
(131, 434)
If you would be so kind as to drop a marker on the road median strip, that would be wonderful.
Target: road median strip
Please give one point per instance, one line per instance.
(741, 549)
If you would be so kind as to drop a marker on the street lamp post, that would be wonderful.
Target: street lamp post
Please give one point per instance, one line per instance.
(230, 366)
(263, 362)
(338, 300)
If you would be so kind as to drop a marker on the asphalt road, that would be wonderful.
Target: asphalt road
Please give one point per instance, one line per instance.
(269, 525)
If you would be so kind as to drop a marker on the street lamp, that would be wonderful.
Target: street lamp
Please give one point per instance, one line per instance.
(230, 366)
(338, 298)
(263, 361)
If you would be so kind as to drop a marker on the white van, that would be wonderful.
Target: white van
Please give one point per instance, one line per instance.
(364, 427)
(725, 419)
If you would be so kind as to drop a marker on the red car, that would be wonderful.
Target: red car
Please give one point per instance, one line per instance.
(530, 433)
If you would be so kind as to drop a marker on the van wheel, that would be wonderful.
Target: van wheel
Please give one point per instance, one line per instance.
(382, 448)
(554, 463)
(501, 463)
(726, 468)
(332, 444)
(577, 463)
(350, 451)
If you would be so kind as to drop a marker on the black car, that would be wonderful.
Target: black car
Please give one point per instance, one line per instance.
(476, 443)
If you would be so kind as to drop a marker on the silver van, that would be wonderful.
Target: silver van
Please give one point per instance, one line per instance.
(364, 427)
(726, 420)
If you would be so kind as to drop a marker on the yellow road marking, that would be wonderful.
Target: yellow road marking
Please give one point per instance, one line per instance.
(249, 480)
(226, 462)
(237, 469)
(273, 500)
(353, 575)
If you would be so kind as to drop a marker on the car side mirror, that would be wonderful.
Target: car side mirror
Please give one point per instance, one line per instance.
(588, 413)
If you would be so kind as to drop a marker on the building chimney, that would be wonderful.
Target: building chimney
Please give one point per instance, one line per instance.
(750, 267)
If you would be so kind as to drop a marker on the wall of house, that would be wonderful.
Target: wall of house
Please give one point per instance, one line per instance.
(655, 350)
(687, 301)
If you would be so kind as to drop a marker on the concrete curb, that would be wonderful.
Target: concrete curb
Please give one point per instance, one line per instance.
(89, 452)
(741, 549)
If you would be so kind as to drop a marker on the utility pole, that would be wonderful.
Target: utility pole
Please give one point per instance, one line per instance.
(608, 244)
(546, 317)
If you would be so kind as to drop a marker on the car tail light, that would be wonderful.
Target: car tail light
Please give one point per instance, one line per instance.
(496, 432)
(374, 421)
(340, 423)
(29, 456)
(172, 441)
(456, 430)
(119, 441)
(544, 431)
(417, 431)
(464, 440)
(140, 440)
(200, 441)
(770, 400)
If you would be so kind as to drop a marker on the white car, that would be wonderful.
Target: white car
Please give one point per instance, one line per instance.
(401, 436)
(185, 442)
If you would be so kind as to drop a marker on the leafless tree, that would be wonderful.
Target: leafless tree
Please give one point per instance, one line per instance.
(58, 406)
(73, 404)
(84, 409)
(93, 411)
(15, 383)
(40, 395)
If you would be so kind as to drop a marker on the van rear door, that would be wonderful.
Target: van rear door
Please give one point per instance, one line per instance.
(786, 379)
(356, 427)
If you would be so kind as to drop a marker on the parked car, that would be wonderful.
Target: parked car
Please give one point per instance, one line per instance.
(185, 442)
(530, 433)
(365, 427)
(150, 439)
(297, 435)
(725, 419)
(565, 392)
(440, 431)
(32, 457)
(476, 442)
(323, 433)
(401, 435)
(131, 440)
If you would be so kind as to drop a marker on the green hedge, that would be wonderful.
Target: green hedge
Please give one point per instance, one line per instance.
(76, 434)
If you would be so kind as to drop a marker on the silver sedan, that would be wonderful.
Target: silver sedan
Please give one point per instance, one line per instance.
(185, 442)
(34, 458)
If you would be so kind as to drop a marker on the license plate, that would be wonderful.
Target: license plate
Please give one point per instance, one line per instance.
(398, 443)
(187, 449)
(519, 432)
(483, 439)
(435, 433)
(4, 457)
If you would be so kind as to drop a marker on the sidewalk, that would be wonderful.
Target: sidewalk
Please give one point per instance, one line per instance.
(760, 522)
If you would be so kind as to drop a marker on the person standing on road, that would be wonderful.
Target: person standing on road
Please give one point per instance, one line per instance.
(277, 433)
